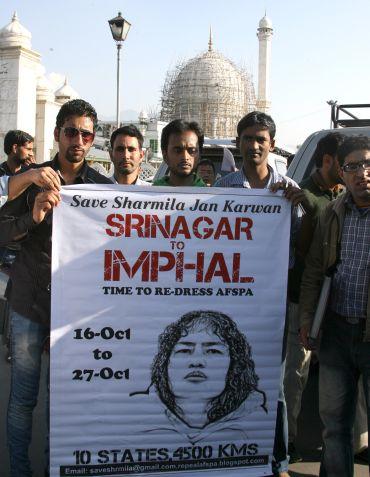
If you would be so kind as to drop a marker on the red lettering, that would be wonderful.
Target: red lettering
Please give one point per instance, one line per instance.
(239, 228)
(224, 228)
(155, 224)
(132, 225)
(111, 222)
(207, 232)
(181, 227)
(217, 261)
(115, 261)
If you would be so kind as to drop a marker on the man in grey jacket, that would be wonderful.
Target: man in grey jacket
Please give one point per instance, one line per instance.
(341, 246)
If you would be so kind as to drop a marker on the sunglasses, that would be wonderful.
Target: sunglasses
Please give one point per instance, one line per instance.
(70, 132)
(355, 166)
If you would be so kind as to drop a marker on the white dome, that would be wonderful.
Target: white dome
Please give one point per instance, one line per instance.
(265, 22)
(66, 93)
(43, 84)
(44, 89)
(15, 34)
(211, 90)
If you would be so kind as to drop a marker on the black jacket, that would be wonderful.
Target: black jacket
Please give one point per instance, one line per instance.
(31, 272)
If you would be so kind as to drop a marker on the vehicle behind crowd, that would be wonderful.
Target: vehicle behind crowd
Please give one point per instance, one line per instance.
(303, 164)
(347, 119)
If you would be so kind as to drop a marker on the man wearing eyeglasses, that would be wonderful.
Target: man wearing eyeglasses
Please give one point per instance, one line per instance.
(29, 217)
(342, 241)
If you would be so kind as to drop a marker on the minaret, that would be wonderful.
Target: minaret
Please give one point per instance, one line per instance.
(210, 41)
(264, 33)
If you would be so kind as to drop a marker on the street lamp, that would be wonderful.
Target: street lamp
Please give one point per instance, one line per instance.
(119, 28)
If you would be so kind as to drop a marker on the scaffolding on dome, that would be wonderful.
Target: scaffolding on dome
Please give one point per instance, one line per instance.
(211, 90)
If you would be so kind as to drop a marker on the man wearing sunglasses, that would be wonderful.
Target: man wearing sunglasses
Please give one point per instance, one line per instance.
(29, 217)
(341, 248)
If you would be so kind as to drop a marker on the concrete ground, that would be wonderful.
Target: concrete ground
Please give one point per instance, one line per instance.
(309, 440)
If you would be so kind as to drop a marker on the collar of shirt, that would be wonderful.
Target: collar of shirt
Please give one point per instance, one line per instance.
(115, 181)
(5, 169)
(82, 176)
(273, 177)
(350, 205)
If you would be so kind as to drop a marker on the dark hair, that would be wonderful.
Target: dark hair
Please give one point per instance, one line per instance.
(129, 130)
(206, 162)
(16, 136)
(256, 118)
(178, 126)
(327, 145)
(241, 378)
(76, 107)
(351, 144)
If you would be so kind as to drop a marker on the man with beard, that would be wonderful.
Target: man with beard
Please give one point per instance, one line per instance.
(29, 216)
(126, 153)
(340, 249)
(321, 187)
(181, 144)
(18, 146)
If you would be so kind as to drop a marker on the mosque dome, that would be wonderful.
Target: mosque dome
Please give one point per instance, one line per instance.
(265, 22)
(211, 90)
(65, 93)
(15, 34)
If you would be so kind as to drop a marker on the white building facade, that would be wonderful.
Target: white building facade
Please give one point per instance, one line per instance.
(28, 101)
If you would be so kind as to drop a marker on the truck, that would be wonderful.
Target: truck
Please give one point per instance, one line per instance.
(344, 119)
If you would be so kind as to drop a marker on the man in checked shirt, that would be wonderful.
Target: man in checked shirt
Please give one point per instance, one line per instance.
(342, 238)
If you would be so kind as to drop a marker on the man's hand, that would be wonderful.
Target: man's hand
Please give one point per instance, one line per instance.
(44, 177)
(30, 160)
(44, 203)
(304, 333)
(294, 194)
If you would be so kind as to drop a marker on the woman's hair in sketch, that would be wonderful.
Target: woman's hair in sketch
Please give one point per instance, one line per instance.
(241, 377)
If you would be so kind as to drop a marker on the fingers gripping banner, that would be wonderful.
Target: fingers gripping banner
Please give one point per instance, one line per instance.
(168, 310)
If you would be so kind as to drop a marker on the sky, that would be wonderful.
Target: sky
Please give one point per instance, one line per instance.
(320, 50)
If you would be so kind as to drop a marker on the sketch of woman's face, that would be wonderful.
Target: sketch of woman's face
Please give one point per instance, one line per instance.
(198, 365)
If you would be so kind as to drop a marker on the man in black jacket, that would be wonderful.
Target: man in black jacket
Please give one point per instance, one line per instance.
(28, 218)
(18, 146)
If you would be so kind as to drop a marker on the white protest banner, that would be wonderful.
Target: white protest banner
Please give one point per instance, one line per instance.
(168, 310)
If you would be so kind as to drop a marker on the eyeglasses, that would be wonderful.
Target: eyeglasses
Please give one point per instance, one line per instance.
(355, 166)
(70, 132)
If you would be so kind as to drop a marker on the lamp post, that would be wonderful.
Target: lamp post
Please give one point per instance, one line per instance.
(119, 28)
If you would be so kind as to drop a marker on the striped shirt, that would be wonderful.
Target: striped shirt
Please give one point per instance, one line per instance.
(239, 180)
(350, 286)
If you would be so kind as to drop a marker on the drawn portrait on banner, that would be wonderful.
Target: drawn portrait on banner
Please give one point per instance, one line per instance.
(203, 378)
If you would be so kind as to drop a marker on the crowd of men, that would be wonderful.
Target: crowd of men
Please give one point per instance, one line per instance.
(331, 239)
